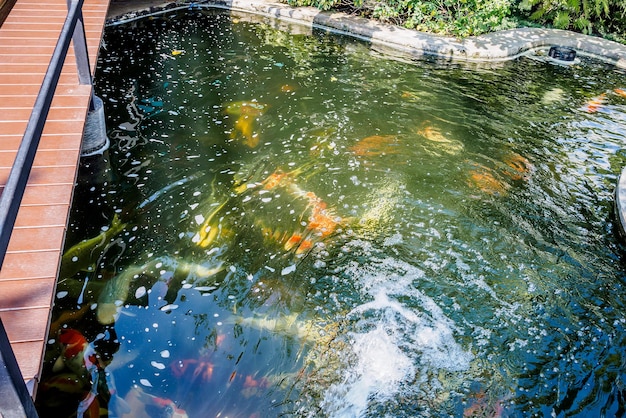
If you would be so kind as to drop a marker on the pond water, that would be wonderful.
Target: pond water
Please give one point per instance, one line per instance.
(296, 225)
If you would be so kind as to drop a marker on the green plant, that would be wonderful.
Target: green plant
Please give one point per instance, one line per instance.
(586, 16)
(450, 17)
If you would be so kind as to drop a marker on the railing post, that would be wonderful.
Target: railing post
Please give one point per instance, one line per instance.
(81, 53)
(80, 47)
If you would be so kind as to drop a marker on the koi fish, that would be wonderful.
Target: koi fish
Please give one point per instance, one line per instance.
(114, 295)
(300, 242)
(409, 95)
(322, 220)
(83, 256)
(289, 325)
(76, 353)
(210, 229)
(620, 92)
(244, 126)
(139, 404)
(595, 103)
(287, 88)
(279, 178)
(247, 113)
(116, 290)
(375, 145)
(483, 406)
(200, 369)
(447, 145)
(252, 386)
(518, 167)
(65, 383)
(485, 180)
(79, 356)
(246, 107)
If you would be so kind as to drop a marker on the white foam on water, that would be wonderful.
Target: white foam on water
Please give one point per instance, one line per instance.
(381, 367)
(401, 339)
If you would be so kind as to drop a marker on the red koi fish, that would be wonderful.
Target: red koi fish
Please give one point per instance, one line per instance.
(594, 104)
(78, 355)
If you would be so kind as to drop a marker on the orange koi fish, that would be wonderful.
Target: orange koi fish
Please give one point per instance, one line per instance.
(72, 344)
(620, 92)
(275, 179)
(287, 88)
(322, 220)
(485, 180)
(594, 104)
(375, 145)
(297, 241)
(519, 167)
(439, 140)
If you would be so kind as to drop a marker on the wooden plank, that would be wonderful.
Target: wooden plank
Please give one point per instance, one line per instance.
(23, 294)
(37, 239)
(48, 142)
(19, 266)
(26, 324)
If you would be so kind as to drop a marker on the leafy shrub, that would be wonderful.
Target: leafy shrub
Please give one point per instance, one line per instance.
(586, 16)
(473, 17)
(450, 17)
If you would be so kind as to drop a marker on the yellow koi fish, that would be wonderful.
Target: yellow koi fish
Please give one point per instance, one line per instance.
(84, 255)
(247, 113)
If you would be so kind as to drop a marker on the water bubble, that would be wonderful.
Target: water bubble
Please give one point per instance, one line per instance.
(140, 292)
(157, 365)
(287, 270)
(145, 382)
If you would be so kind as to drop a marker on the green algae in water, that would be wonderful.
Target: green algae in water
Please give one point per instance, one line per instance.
(313, 229)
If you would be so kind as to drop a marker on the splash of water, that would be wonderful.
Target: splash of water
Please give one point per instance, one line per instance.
(399, 344)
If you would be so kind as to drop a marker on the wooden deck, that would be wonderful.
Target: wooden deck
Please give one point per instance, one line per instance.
(27, 279)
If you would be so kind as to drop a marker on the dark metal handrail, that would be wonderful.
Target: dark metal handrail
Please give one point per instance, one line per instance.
(13, 192)
(13, 386)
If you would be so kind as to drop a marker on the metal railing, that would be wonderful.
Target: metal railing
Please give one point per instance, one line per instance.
(11, 198)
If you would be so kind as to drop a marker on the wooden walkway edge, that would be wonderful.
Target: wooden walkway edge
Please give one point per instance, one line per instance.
(28, 277)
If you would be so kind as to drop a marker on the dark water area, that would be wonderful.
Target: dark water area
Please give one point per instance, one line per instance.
(294, 224)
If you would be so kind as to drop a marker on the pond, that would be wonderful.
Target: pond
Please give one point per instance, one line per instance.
(293, 224)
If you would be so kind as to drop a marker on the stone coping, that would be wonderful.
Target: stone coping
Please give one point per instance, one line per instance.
(491, 47)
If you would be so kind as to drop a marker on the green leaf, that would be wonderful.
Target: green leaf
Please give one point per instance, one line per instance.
(561, 21)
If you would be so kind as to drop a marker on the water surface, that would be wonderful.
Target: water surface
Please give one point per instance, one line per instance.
(300, 226)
